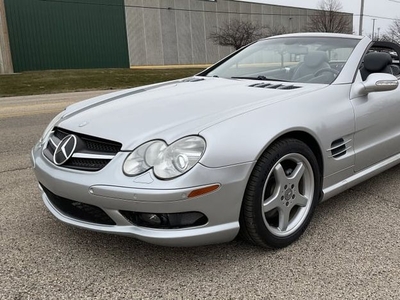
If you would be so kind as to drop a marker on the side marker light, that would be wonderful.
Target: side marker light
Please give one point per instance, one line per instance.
(203, 191)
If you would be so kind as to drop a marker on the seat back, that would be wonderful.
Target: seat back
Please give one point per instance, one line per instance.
(376, 62)
(313, 62)
(395, 69)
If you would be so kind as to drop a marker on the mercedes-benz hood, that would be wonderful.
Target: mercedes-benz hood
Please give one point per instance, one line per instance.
(174, 109)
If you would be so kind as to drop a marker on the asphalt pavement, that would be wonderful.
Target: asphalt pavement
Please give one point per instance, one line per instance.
(351, 249)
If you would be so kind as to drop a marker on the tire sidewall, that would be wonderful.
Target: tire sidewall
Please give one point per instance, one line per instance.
(260, 175)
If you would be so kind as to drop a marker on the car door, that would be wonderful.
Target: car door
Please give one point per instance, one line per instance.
(377, 126)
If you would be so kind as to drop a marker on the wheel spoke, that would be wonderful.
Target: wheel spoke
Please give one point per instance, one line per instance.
(279, 173)
(271, 203)
(298, 172)
(283, 219)
(300, 200)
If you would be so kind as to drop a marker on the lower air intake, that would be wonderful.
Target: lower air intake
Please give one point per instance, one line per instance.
(78, 210)
(165, 221)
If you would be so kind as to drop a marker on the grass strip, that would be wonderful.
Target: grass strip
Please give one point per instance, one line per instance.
(59, 81)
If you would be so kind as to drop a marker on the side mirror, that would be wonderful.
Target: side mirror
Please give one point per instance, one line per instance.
(379, 82)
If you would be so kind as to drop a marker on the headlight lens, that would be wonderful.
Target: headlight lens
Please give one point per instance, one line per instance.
(167, 161)
(49, 127)
(143, 158)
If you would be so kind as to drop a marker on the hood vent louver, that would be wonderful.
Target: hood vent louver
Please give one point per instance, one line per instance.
(192, 79)
(278, 86)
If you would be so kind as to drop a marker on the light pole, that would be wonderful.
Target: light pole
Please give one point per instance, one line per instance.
(373, 28)
(379, 29)
(361, 18)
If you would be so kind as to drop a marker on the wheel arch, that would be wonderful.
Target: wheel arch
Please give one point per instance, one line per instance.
(306, 138)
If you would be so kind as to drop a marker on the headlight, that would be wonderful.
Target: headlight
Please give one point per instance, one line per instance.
(49, 127)
(167, 161)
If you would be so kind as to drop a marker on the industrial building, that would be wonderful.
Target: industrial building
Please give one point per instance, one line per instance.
(64, 34)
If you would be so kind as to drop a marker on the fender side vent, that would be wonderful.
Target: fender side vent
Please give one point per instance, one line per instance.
(339, 148)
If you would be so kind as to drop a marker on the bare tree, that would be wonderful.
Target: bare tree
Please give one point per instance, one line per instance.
(275, 30)
(236, 33)
(392, 34)
(329, 18)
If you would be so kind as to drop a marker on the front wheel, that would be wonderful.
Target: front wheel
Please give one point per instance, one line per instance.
(281, 195)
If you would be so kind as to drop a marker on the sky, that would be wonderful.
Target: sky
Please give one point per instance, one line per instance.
(381, 10)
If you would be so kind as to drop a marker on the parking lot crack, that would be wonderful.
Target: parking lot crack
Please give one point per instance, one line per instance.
(15, 170)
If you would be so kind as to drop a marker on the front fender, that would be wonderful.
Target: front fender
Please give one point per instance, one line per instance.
(326, 116)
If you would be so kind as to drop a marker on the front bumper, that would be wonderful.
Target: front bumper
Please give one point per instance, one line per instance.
(113, 192)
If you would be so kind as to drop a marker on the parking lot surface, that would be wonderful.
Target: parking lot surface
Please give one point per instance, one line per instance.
(351, 249)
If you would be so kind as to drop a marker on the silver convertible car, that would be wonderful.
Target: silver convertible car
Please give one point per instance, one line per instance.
(249, 146)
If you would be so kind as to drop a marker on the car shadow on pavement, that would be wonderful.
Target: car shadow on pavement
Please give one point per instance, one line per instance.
(341, 228)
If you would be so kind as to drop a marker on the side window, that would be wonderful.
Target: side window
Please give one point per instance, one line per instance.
(382, 57)
(393, 50)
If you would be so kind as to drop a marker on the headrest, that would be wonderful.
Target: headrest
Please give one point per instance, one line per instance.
(315, 58)
(377, 61)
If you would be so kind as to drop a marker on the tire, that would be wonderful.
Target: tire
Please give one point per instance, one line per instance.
(281, 195)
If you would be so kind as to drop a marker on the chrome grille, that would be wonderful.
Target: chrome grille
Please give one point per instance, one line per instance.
(91, 154)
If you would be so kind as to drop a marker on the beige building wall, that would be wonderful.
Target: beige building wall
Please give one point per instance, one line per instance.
(5, 53)
(171, 32)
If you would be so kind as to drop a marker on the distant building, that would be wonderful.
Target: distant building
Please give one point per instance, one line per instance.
(62, 34)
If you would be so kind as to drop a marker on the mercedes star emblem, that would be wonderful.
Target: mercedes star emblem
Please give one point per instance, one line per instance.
(65, 149)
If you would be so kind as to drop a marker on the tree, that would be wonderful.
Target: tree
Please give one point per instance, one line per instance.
(236, 33)
(392, 34)
(275, 30)
(329, 18)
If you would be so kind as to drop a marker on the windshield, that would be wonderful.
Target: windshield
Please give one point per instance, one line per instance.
(292, 59)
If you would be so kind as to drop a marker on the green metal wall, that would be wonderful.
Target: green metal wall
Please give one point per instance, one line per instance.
(67, 34)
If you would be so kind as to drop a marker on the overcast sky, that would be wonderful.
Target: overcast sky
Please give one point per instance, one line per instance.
(381, 10)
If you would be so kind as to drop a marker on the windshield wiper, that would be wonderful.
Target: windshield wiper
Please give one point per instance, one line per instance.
(260, 77)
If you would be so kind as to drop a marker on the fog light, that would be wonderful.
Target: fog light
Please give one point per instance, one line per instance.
(151, 219)
(165, 220)
(181, 220)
